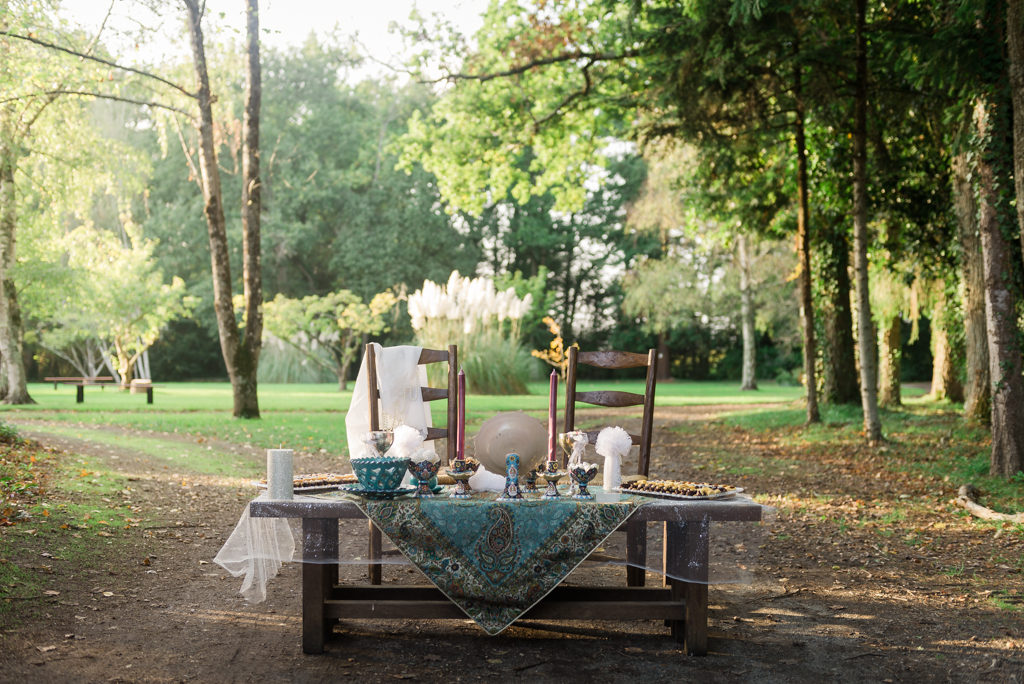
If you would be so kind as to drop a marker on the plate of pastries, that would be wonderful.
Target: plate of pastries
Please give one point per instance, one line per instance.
(317, 482)
(677, 489)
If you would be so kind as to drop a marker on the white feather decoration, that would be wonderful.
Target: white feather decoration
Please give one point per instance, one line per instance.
(613, 443)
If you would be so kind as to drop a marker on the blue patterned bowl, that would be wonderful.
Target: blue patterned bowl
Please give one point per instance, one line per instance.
(379, 473)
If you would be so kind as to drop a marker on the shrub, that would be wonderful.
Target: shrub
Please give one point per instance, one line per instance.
(484, 322)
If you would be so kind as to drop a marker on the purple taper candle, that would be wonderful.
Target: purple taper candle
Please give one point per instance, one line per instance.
(460, 445)
(552, 400)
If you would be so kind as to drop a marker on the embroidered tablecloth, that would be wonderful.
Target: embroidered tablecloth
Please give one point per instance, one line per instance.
(493, 559)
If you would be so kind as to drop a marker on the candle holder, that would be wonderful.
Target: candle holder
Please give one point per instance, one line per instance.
(423, 471)
(552, 475)
(461, 471)
(530, 485)
(581, 475)
(512, 491)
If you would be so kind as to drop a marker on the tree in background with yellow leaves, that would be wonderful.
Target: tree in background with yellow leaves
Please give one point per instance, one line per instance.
(554, 355)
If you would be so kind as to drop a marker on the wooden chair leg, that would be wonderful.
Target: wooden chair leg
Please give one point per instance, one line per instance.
(636, 553)
(374, 554)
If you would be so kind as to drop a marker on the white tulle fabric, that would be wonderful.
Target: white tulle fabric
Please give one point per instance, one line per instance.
(256, 549)
(258, 546)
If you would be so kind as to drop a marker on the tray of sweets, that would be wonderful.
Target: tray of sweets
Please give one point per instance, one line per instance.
(676, 489)
(317, 482)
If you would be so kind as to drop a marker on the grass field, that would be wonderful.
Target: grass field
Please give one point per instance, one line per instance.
(311, 417)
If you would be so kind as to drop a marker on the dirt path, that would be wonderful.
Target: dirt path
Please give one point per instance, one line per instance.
(836, 596)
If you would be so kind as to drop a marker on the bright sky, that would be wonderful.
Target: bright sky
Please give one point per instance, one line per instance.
(289, 21)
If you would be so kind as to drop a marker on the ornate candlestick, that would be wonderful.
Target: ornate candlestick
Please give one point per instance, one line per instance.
(552, 475)
(530, 485)
(461, 471)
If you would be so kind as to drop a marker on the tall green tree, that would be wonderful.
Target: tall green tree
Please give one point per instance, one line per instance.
(240, 347)
(562, 81)
(38, 102)
(330, 330)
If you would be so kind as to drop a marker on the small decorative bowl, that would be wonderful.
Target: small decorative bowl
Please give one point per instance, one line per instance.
(379, 473)
(424, 472)
(581, 475)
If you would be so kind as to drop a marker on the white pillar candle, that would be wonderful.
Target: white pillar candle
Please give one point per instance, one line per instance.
(279, 473)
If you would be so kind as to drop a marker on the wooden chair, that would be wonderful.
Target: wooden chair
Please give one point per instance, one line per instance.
(636, 532)
(448, 432)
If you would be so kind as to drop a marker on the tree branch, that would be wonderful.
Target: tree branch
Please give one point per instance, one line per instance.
(591, 57)
(188, 155)
(102, 96)
(59, 48)
(569, 99)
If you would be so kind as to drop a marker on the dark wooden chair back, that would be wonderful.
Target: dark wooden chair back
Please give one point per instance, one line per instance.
(451, 355)
(614, 398)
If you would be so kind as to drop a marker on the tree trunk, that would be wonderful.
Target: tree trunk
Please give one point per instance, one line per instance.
(239, 361)
(749, 380)
(803, 242)
(11, 357)
(1007, 388)
(977, 403)
(343, 375)
(663, 370)
(1015, 44)
(865, 329)
(840, 361)
(889, 359)
(945, 379)
(247, 402)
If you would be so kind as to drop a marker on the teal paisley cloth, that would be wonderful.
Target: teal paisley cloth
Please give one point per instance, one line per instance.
(495, 560)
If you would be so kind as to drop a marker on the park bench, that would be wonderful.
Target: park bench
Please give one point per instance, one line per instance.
(73, 379)
(80, 383)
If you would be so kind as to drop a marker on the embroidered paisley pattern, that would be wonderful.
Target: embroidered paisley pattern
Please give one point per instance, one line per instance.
(496, 560)
(498, 548)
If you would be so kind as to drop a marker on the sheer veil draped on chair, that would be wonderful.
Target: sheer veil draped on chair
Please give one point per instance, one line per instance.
(397, 376)
(399, 381)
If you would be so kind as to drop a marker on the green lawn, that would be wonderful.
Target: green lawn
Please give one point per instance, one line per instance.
(311, 416)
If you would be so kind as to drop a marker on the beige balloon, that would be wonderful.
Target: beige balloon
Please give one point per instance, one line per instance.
(511, 433)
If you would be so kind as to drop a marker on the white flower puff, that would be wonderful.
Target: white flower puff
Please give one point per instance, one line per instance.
(407, 440)
(613, 443)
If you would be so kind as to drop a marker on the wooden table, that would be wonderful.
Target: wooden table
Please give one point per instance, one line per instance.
(682, 604)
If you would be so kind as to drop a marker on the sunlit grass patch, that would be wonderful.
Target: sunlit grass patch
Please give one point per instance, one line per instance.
(1008, 600)
(926, 440)
(184, 455)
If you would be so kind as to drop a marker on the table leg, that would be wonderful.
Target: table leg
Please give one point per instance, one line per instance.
(695, 551)
(695, 629)
(319, 547)
(636, 552)
(374, 553)
(79, 394)
(671, 559)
